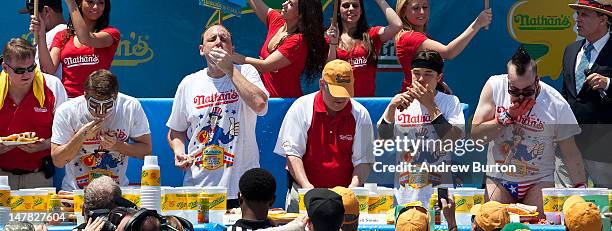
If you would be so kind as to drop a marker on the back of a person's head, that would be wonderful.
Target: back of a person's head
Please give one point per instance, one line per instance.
(18, 226)
(325, 209)
(101, 193)
(174, 223)
(257, 185)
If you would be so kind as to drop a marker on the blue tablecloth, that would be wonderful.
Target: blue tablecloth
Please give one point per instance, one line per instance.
(197, 227)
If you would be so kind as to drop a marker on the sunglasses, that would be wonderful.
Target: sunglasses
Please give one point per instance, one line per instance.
(525, 92)
(348, 5)
(21, 70)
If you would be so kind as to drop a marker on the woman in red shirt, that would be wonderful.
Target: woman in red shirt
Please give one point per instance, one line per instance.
(360, 44)
(88, 45)
(412, 38)
(294, 44)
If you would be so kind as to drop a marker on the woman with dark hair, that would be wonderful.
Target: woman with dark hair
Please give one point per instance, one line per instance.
(424, 114)
(88, 45)
(358, 43)
(412, 38)
(294, 44)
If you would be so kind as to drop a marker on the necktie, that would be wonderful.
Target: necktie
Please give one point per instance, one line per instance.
(583, 65)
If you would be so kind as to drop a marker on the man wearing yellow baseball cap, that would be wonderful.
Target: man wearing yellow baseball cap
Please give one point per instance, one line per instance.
(581, 215)
(351, 208)
(490, 216)
(413, 219)
(325, 134)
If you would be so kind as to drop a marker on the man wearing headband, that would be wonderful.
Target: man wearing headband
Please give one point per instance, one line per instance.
(214, 114)
(91, 133)
(519, 104)
(423, 113)
(587, 68)
(28, 99)
(326, 136)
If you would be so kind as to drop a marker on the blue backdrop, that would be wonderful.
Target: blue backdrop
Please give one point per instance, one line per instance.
(160, 40)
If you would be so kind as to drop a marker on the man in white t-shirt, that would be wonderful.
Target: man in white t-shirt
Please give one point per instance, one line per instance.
(326, 136)
(50, 12)
(91, 133)
(216, 108)
(524, 118)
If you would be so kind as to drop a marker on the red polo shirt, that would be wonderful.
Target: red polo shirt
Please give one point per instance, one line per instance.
(326, 153)
(26, 116)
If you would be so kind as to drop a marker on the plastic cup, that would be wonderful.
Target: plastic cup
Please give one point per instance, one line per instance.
(150, 160)
(39, 199)
(381, 202)
(217, 204)
(609, 200)
(362, 196)
(372, 187)
(552, 202)
(191, 209)
(598, 196)
(301, 205)
(464, 200)
(79, 198)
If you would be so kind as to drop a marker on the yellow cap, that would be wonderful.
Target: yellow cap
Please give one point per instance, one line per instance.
(338, 74)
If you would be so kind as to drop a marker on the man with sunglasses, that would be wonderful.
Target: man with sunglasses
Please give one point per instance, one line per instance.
(28, 101)
(51, 12)
(94, 134)
(587, 68)
(519, 104)
(326, 136)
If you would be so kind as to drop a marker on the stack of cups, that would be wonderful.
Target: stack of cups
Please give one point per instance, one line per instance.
(301, 205)
(362, 196)
(150, 190)
(217, 203)
(191, 201)
(79, 198)
(464, 200)
(172, 199)
(374, 199)
(5, 200)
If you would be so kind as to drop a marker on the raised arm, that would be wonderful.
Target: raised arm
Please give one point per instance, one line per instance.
(261, 9)
(395, 23)
(274, 62)
(85, 36)
(48, 59)
(455, 47)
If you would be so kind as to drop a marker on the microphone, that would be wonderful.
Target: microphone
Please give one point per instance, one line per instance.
(602, 93)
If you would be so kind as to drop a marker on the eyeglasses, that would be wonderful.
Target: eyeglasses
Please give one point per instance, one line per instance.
(525, 92)
(21, 70)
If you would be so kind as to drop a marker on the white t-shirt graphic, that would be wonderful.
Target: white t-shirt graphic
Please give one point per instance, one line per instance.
(220, 126)
(529, 143)
(126, 120)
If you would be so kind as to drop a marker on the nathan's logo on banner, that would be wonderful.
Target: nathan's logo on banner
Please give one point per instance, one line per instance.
(544, 27)
(133, 51)
(542, 22)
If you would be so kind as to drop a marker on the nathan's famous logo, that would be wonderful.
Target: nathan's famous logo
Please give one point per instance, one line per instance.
(215, 99)
(133, 51)
(542, 22)
(544, 27)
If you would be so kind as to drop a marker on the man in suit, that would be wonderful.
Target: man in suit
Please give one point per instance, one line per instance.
(587, 68)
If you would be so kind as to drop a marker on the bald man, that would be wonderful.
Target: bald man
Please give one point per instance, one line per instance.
(217, 108)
